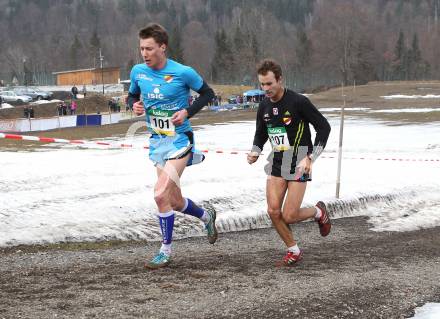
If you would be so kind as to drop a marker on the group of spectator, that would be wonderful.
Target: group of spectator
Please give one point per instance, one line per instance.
(114, 106)
(216, 101)
(63, 107)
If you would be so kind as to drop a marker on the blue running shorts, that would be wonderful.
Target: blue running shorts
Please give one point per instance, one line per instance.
(164, 148)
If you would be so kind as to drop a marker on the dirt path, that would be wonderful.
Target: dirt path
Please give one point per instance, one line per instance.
(354, 273)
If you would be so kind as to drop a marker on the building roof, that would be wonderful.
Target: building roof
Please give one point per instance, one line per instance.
(83, 70)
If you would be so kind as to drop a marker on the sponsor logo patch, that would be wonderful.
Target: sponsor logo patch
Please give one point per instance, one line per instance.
(287, 119)
(143, 77)
(168, 78)
(266, 117)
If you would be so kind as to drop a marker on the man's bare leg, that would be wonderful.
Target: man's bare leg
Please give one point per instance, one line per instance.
(292, 211)
(276, 188)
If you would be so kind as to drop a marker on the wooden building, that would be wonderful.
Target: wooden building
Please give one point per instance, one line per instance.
(88, 76)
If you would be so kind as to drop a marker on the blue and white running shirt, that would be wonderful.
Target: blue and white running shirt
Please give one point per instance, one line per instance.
(164, 92)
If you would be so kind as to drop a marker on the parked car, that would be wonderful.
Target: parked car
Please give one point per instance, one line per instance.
(35, 94)
(11, 96)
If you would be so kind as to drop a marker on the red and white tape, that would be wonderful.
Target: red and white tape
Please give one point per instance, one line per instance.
(43, 139)
(205, 150)
(59, 140)
(387, 159)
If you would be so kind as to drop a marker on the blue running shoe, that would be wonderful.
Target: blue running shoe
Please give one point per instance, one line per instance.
(210, 227)
(159, 261)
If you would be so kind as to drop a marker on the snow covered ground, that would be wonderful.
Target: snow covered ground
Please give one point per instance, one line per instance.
(403, 96)
(389, 173)
(430, 310)
(71, 194)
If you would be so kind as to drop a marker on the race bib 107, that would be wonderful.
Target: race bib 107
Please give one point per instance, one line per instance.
(278, 138)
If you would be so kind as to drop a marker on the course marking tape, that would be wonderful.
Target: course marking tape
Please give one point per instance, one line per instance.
(206, 150)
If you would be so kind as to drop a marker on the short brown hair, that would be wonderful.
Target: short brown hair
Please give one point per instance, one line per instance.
(269, 65)
(155, 31)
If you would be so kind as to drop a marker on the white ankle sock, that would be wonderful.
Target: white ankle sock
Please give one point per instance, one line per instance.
(205, 217)
(318, 212)
(166, 249)
(294, 249)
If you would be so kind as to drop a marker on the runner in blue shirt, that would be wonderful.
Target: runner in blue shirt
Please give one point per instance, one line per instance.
(160, 87)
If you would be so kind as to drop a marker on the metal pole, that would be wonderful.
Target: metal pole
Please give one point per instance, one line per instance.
(341, 135)
(101, 58)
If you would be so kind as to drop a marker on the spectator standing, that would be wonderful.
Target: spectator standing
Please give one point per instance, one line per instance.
(60, 108)
(84, 90)
(73, 107)
(111, 105)
(64, 108)
(74, 91)
(31, 112)
(26, 112)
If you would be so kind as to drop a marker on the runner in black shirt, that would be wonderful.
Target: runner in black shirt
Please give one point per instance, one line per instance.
(283, 117)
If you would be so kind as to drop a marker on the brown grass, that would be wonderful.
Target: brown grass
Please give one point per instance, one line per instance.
(368, 95)
(227, 90)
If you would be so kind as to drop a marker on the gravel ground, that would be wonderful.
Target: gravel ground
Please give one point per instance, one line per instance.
(353, 273)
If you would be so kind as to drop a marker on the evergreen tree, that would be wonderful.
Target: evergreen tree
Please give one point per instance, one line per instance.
(363, 67)
(400, 58)
(128, 67)
(152, 6)
(94, 45)
(221, 65)
(183, 17)
(303, 49)
(414, 59)
(175, 50)
(129, 7)
(255, 48)
(242, 53)
(74, 51)
(239, 39)
(27, 78)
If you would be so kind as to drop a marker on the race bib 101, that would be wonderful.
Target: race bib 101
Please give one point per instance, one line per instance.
(160, 122)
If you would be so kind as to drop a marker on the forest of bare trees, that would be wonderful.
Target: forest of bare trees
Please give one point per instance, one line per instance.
(318, 42)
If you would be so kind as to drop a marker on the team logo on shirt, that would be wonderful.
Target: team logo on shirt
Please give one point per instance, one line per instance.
(143, 77)
(287, 119)
(266, 117)
(156, 94)
(168, 78)
(275, 111)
